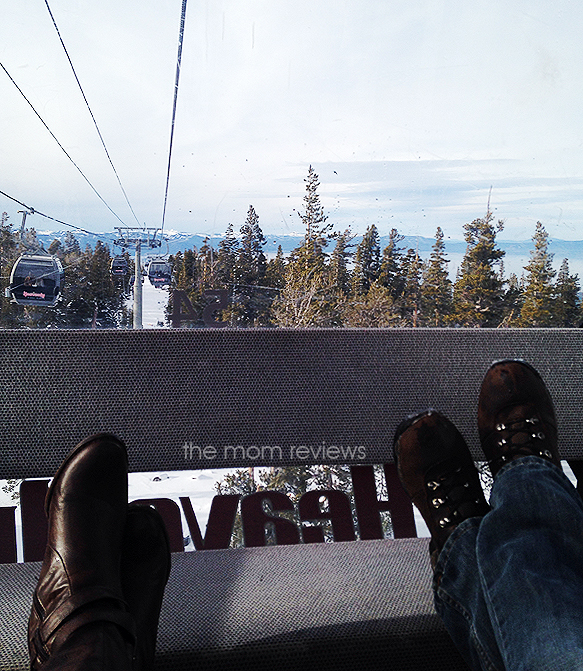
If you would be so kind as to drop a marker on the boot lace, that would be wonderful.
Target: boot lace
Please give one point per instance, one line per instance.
(456, 496)
(520, 438)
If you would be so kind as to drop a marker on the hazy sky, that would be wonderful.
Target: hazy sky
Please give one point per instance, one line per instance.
(408, 111)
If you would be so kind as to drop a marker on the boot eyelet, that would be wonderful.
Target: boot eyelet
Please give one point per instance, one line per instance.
(437, 502)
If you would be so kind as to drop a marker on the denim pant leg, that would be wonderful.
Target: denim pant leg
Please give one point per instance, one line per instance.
(529, 552)
(459, 599)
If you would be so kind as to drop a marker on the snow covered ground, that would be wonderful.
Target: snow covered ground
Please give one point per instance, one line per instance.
(198, 485)
(154, 302)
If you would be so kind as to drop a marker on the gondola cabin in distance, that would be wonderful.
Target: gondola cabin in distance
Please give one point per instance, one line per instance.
(36, 279)
(159, 272)
(119, 266)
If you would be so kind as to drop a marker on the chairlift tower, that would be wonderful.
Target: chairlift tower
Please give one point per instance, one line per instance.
(135, 238)
(24, 214)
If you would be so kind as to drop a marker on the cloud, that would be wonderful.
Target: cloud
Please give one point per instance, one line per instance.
(408, 111)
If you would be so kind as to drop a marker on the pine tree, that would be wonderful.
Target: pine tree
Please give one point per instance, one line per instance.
(56, 247)
(513, 301)
(376, 309)
(185, 277)
(408, 303)
(245, 267)
(31, 242)
(76, 305)
(436, 287)
(8, 246)
(275, 271)
(317, 233)
(177, 263)
(102, 293)
(7, 238)
(90, 297)
(251, 262)
(478, 294)
(367, 262)
(304, 301)
(258, 242)
(71, 244)
(537, 308)
(251, 302)
(339, 274)
(567, 308)
(9, 312)
(390, 271)
(100, 290)
(227, 259)
(206, 266)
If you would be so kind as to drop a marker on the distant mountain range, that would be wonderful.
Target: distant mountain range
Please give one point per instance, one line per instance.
(517, 253)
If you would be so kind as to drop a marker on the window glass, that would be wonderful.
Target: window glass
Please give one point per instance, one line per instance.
(356, 164)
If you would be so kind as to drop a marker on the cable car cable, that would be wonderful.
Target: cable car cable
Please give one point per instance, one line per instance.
(178, 64)
(23, 257)
(77, 262)
(34, 211)
(58, 221)
(60, 145)
(90, 111)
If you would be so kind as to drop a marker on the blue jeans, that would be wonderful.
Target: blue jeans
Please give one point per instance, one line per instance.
(509, 586)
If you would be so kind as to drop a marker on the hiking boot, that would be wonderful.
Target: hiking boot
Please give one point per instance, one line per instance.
(516, 417)
(437, 471)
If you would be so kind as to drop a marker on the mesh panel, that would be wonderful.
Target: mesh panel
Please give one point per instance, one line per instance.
(257, 389)
(17, 584)
(364, 605)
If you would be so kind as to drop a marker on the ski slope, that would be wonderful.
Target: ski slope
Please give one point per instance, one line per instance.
(154, 302)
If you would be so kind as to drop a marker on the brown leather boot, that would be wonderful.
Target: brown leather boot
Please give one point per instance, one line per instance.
(80, 582)
(145, 568)
(436, 469)
(516, 417)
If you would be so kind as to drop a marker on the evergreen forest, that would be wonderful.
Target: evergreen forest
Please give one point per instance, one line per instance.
(329, 280)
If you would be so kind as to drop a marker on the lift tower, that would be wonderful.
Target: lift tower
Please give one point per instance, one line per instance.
(134, 238)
